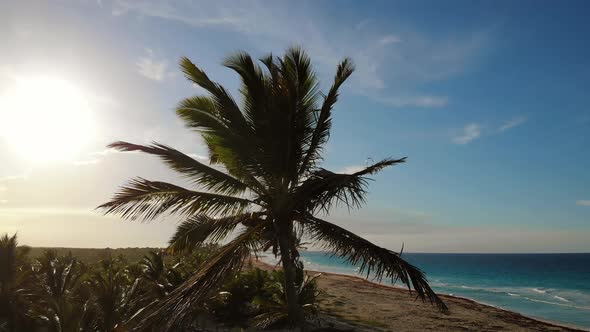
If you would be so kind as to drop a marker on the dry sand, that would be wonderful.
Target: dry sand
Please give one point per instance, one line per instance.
(356, 304)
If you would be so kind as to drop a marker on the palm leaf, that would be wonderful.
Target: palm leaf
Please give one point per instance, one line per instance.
(147, 200)
(323, 124)
(225, 105)
(371, 259)
(200, 228)
(324, 188)
(210, 178)
(226, 144)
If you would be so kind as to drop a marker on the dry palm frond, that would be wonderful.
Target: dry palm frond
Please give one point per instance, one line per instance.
(371, 259)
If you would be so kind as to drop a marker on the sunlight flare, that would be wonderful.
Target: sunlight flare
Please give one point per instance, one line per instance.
(45, 119)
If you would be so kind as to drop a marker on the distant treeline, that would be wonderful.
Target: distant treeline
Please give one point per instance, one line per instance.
(93, 255)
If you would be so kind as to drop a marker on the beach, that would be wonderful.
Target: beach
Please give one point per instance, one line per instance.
(357, 304)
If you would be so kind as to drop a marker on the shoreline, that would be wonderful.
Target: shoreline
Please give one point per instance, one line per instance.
(350, 290)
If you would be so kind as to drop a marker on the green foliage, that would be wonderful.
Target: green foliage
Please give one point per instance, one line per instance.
(55, 291)
(16, 279)
(257, 298)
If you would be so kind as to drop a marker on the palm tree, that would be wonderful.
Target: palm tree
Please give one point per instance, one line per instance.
(15, 285)
(263, 183)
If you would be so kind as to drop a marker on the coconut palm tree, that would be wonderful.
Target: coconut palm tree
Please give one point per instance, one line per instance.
(263, 183)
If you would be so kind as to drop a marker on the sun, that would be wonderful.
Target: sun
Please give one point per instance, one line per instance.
(45, 119)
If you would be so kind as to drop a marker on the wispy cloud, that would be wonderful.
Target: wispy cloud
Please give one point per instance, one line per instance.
(474, 130)
(418, 101)
(583, 202)
(389, 39)
(86, 162)
(12, 177)
(382, 72)
(197, 156)
(351, 169)
(514, 122)
(470, 132)
(152, 68)
(180, 12)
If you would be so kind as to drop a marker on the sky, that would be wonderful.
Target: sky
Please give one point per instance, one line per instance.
(488, 100)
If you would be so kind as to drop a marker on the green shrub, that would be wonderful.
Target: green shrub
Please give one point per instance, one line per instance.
(257, 298)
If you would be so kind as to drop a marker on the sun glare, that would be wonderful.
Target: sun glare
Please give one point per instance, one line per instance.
(45, 119)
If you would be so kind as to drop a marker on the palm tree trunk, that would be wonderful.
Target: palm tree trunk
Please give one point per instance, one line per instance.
(290, 270)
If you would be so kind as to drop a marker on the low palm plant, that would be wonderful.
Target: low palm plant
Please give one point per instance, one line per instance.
(233, 304)
(62, 305)
(263, 184)
(274, 308)
(16, 281)
(161, 277)
(114, 293)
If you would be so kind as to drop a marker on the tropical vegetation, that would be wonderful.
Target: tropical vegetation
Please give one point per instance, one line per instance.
(61, 293)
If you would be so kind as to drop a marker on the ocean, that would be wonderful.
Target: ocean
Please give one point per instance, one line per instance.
(554, 287)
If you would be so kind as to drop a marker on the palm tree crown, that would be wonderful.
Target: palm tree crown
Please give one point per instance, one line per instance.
(264, 183)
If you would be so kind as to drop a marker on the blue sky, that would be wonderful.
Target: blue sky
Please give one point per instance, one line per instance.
(487, 99)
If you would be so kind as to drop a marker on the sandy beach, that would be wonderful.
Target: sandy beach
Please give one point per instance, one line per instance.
(356, 304)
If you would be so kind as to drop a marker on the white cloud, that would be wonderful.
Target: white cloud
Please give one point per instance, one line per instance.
(417, 101)
(86, 162)
(197, 156)
(470, 132)
(583, 202)
(389, 39)
(514, 122)
(351, 169)
(12, 177)
(152, 68)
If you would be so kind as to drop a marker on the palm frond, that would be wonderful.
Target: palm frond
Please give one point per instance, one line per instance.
(323, 123)
(144, 199)
(254, 88)
(201, 113)
(324, 188)
(199, 173)
(226, 107)
(228, 144)
(174, 311)
(200, 228)
(371, 259)
(377, 167)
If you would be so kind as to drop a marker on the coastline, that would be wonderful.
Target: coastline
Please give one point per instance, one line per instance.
(372, 306)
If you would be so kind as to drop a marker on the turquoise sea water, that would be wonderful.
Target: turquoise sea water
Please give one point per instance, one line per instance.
(553, 287)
